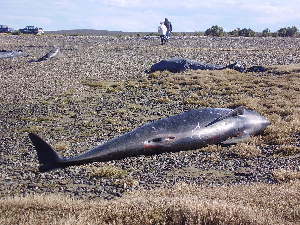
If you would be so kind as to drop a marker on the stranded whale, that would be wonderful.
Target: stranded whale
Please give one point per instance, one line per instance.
(186, 131)
(176, 65)
(11, 54)
(53, 53)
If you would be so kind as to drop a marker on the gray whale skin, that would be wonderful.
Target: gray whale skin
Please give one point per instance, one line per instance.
(190, 130)
(11, 54)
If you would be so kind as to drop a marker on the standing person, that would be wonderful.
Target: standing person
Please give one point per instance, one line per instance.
(168, 24)
(162, 30)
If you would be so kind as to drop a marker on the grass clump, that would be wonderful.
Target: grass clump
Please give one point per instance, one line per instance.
(31, 129)
(181, 204)
(289, 149)
(282, 130)
(108, 171)
(62, 146)
(127, 182)
(284, 175)
(38, 119)
(245, 150)
(107, 86)
(163, 100)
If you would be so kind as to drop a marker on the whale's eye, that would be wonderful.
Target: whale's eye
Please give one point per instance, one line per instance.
(157, 140)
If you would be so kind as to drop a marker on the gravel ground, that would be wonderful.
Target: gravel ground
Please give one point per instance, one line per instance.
(50, 98)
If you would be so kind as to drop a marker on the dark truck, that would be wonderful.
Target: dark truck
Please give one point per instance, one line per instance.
(32, 30)
(5, 29)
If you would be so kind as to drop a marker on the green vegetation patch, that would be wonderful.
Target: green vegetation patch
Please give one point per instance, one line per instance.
(181, 204)
(193, 172)
(108, 171)
(110, 108)
(108, 86)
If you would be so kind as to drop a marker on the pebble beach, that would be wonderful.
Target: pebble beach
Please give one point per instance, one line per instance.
(97, 89)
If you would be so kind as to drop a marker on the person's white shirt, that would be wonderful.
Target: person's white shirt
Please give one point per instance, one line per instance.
(162, 29)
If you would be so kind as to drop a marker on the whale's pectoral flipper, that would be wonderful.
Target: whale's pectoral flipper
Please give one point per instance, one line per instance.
(235, 140)
(235, 112)
(47, 157)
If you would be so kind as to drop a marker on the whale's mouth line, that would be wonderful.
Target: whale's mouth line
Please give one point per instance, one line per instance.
(149, 146)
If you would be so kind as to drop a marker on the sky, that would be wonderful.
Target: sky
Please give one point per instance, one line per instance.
(145, 15)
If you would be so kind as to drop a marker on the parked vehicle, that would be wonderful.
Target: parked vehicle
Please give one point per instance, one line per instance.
(32, 30)
(5, 29)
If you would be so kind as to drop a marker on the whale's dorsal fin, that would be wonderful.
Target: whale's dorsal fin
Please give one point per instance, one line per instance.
(235, 112)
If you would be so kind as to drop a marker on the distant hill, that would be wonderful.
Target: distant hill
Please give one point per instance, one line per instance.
(94, 32)
(91, 32)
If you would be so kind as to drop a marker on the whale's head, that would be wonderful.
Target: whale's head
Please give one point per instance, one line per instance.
(254, 122)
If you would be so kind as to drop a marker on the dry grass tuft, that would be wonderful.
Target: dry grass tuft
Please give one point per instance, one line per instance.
(283, 69)
(212, 148)
(163, 100)
(108, 171)
(283, 175)
(280, 131)
(182, 204)
(245, 150)
(31, 129)
(127, 182)
(289, 149)
(62, 146)
(107, 86)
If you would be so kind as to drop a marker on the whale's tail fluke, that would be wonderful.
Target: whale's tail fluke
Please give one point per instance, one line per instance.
(48, 158)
